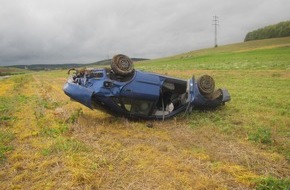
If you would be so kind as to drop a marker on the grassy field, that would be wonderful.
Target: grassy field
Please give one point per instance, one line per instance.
(254, 55)
(49, 142)
(12, 71)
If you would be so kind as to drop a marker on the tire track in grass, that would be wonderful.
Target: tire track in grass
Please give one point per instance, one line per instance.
(78, 166)
(22, 161)
(6, 119)
(35, 130)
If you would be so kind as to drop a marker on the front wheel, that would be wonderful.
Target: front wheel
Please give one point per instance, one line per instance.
(122, 65)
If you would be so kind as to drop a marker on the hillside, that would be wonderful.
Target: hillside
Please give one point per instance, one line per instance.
(48, 141)
(108, 62)
(40, 67)
(260, 54)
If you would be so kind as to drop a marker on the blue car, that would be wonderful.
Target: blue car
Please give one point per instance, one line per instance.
(123, 91)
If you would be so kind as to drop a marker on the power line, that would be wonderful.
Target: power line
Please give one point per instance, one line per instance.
(215, 23)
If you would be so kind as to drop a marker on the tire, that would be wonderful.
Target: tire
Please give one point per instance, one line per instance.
(206, 84)
(122, 65)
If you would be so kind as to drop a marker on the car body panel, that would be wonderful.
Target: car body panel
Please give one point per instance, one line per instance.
(143, 86)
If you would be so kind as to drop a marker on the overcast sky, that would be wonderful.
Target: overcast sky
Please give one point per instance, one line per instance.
(84, 31)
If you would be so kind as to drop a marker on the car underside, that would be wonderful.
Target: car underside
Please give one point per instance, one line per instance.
(141, 95)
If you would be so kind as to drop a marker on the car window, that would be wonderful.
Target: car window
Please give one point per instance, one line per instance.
(97, 75)
(137, 107)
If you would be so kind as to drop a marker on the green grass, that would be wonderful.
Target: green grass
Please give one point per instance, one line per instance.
(5, 110)
(5, 144)
(261, 135)
(259, 110)
(275, 54)
(65, 145)
(54, 132)
(271, 183)
(256, 59)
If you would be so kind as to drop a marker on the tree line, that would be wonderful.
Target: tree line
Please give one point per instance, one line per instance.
(281, 29)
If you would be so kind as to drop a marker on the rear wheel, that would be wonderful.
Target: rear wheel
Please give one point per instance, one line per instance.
(206, 84)
(122, 65)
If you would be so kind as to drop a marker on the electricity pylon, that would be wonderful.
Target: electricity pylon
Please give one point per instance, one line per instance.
(215, 23)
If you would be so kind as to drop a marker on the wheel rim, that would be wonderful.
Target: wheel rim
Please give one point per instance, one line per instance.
(206, 84)
(122, 65)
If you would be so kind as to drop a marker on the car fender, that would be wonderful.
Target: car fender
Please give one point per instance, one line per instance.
(79, 93)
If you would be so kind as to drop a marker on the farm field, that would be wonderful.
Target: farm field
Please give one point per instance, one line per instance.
(50, 142)
(12, 71)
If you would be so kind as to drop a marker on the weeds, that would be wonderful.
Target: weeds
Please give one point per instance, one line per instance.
(5, 140)
(271, 183)
(8, 106)
(65, 145)
(21, 81)
(74, 116)
(5, 111)
(54, 132)
(3, 150)
(262, 135)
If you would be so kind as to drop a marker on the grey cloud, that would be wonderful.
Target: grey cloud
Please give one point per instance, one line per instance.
(51, 31)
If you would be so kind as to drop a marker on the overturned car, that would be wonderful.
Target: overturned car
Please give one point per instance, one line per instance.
(123, 91)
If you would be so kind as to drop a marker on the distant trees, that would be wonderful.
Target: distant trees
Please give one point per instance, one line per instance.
(281, 29)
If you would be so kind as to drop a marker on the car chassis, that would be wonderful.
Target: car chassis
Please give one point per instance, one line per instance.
(124, 91)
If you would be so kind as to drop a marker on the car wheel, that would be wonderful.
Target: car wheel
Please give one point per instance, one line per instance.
(122, 65)
(206, 84)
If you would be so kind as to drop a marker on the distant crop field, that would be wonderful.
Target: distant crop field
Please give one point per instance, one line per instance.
(48, 141)
(11, 71)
